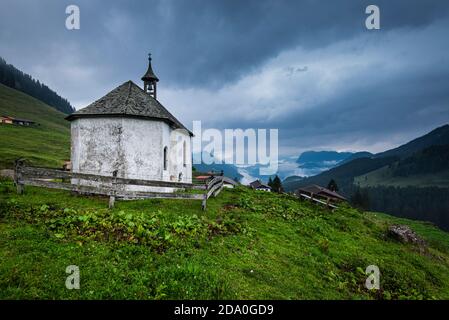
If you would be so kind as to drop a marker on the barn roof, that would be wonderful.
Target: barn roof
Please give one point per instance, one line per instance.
(22, 120)
(320, 190)
(17, 119)
(229, 180)
(257, 184)
(128, 100)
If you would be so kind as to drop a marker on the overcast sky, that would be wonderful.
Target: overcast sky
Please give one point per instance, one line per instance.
(308, 68)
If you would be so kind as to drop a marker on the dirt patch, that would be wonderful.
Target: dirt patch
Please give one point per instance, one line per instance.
(7, 173)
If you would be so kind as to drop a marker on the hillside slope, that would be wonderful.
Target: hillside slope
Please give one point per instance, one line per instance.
(414, 187)
(14, 78)
(343, 174)
(426, 168)
(410, 181)
(47, 143)
(247, 245)
(357, 155)
(438, 136)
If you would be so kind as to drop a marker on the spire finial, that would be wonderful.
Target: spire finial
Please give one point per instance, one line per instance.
(150, 79)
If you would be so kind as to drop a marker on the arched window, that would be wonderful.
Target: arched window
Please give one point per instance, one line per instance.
(165, 158)
(184, 153)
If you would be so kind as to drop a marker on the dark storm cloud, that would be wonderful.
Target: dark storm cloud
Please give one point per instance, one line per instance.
(384, 90)
(300, 66)
(197, 43)
(213, 42)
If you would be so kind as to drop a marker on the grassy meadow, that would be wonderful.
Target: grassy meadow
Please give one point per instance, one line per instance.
(45, 144)
(247, 245)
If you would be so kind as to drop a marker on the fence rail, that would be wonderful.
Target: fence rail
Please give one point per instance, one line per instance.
(112, 186)
(311, 198)
(213, 188)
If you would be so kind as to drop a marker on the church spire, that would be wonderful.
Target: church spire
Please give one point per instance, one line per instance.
(150, 80)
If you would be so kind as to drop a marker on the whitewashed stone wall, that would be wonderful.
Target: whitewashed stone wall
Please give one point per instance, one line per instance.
(133, 147)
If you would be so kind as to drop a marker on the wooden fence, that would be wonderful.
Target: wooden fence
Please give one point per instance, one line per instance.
(327, 203)
(111, 186)
(213, 188)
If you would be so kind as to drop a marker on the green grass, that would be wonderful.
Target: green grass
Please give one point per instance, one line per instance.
(45, 144)
(247, 245)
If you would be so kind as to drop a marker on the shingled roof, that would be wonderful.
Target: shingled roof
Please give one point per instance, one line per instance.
(316, 189)
(128, 100)
(257, 184)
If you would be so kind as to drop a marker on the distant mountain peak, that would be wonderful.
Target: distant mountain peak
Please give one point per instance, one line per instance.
(314, 156)
(314, 162)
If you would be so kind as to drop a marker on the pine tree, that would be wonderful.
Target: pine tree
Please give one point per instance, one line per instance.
(277, 185)
(360, 199)
(270, 183)
(332, 185)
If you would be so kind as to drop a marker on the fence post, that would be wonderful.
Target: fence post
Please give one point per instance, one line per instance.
(204, 202)
(113, 191)
(18, 175)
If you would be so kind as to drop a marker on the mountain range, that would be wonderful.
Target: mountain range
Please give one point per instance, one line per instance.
(315, 162)
(351, 168)
(410, 181)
